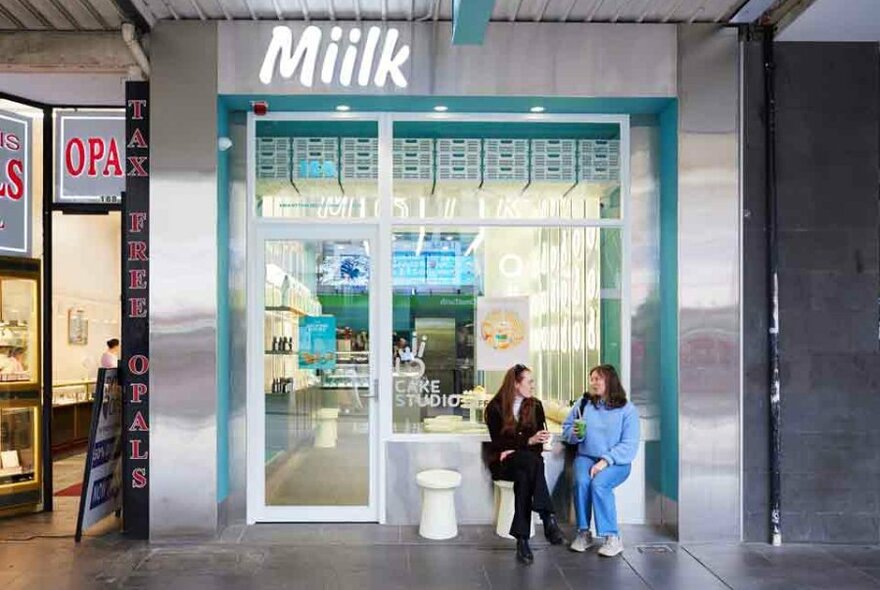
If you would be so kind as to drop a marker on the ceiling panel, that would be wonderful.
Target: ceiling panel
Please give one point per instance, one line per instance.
(163, 9)
(95, 14)
(8, 20)
(107, 14)
(237, 9)
(109, 11)
(28, 15)
(78, 11)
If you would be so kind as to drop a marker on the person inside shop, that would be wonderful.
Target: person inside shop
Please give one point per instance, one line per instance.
(110, 358)
(14, 361)
(604, 427)
(518, 431)
(402, 350)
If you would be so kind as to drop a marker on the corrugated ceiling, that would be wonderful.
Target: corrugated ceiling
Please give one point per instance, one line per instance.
(96, 15)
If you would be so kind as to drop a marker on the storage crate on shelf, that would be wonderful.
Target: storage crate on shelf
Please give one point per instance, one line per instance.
(360, 158)
(553, 160)
(506, 159)
(413, 159)
(273, 157)
(458, 159)
(315, 157)
(599, 160)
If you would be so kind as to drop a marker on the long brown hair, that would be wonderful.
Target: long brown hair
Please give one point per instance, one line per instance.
(505, 396)
(615, 394)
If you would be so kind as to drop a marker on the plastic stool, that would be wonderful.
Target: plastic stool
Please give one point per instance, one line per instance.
(504, 509)
(326, 431)
(438, 520)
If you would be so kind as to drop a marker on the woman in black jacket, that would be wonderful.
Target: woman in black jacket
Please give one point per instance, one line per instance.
(519, 430)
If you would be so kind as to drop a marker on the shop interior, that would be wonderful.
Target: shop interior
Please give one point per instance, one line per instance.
(86, 283)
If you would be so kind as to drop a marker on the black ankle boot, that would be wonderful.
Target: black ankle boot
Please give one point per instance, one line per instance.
(552, 531)
(524, 552)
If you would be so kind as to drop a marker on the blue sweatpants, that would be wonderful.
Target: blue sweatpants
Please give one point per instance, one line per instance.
(596, 496)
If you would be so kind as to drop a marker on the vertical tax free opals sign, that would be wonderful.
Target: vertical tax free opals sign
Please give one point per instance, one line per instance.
(90, 163)
(15, 184)
(136, 313)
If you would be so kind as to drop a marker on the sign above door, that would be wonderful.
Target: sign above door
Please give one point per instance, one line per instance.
(90, 156)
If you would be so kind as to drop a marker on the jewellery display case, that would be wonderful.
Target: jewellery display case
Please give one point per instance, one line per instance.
(20, 384)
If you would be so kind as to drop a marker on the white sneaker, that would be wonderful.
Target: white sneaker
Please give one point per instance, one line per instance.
(582, 542)
(611, 547)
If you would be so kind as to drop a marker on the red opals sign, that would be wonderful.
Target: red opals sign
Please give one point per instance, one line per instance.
(92, 156)
(12, 186)
(15, 188)
(90, 163)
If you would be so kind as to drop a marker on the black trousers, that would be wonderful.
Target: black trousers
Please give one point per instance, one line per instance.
(526, 470)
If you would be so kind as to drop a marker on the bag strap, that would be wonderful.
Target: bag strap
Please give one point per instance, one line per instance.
(584, 401)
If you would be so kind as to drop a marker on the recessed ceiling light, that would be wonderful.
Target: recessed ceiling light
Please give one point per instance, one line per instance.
(537, 109)
(441, 108)
(343, 108)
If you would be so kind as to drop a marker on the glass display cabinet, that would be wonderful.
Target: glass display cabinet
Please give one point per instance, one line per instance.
(20, 380)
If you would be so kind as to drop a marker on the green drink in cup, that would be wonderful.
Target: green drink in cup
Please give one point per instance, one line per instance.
(580, 427)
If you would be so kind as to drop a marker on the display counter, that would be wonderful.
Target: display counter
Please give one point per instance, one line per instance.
(72, 403)
(20, 399)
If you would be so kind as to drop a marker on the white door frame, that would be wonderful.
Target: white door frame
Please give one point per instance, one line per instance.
(257, 510)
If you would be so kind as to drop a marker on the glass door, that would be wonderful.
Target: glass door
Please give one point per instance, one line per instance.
(312, 392)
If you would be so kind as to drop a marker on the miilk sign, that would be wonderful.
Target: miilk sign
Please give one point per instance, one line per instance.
(349, 58)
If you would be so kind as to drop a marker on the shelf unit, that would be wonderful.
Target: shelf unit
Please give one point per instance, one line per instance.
(287, 299)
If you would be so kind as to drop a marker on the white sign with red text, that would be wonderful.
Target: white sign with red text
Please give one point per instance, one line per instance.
(15, 184)
(90, 163)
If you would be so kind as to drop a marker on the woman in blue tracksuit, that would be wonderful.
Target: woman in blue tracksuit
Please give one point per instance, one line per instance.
(605, 428)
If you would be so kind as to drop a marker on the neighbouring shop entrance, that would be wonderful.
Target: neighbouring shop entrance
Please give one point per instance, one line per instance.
(85, 336)
(59, 305)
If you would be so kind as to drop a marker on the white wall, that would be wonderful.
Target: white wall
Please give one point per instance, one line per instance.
(66, 88)
(85, 275)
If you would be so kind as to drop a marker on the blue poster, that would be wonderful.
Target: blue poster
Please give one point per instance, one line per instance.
(317, 342)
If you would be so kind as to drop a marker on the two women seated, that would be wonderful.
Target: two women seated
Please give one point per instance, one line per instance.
(604, 428)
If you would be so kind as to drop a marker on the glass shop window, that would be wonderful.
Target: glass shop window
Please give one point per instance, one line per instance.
(506, 170)
(19, 350)
(468, 303)
(17, 445)
(317, 169)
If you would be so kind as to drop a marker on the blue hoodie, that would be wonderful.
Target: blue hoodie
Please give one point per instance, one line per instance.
(612, 435)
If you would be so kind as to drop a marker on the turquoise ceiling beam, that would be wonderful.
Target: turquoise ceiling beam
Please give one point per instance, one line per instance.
(469, 21)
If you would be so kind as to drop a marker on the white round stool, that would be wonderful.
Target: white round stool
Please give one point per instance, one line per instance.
(325, 431)
(438, 503)
(504, 509)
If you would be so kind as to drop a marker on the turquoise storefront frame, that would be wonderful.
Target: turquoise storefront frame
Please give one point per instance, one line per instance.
(659, 111)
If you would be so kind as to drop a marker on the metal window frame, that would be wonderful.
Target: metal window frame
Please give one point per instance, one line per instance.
(382, 228)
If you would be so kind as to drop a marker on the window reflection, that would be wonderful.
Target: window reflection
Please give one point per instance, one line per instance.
(466, 299)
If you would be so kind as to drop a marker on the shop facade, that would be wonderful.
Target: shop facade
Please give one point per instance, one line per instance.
(63, 177)
(376, 222)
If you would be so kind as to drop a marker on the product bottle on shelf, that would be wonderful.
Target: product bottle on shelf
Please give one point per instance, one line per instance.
(285, 292)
